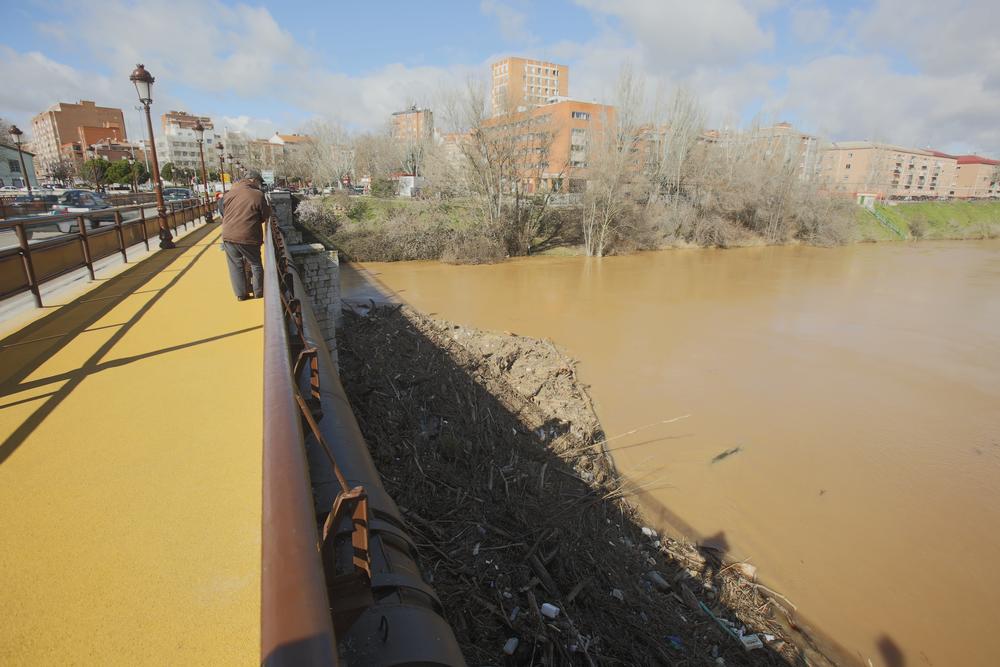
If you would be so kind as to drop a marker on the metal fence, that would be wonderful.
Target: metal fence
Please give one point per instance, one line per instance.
(334, 544)
(44, 247)
(10, 208)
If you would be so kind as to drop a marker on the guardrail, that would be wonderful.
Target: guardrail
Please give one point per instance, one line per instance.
(80, 239)
(360, 567)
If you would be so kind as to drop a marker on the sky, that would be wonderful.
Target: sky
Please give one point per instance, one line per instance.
(916, 72)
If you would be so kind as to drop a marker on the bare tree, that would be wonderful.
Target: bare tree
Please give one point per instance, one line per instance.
(614, 166)
(507, 160)
(674, 139)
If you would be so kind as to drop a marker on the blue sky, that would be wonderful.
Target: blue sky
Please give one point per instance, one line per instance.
(906, 71)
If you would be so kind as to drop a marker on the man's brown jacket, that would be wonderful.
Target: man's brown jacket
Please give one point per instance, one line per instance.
(244, 212)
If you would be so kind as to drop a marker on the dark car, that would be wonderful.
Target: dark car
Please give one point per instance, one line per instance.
(177, 194)
(84, 202)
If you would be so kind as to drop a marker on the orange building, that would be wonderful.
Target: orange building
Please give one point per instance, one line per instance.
(553, 141)
(977, 177)
(518, 84)
(413, 125)
(852, 167)
(65, 123)
(183, 120)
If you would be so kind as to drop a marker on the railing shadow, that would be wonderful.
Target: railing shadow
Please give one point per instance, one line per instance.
(24, 351)
(505, 524)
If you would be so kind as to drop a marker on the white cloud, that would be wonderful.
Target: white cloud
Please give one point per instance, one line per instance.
(682, 35)
(862, 97)
(907, 71)
(810, 23)
(512, 22)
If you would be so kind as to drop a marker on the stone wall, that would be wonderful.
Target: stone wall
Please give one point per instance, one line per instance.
(319, 270)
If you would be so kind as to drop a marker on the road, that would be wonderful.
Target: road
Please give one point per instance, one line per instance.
(41, 231)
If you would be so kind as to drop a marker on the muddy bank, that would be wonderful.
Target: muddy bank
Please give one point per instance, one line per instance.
(490, 445)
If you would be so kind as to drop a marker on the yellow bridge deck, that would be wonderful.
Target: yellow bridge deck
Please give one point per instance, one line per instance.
(130, 474)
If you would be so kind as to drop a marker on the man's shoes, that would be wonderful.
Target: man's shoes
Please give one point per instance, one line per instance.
(242, 298)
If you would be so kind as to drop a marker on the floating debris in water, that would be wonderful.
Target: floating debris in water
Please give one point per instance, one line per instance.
(727, 454)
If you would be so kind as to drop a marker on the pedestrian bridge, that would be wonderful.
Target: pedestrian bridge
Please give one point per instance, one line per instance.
(182, 480)
(130, 472)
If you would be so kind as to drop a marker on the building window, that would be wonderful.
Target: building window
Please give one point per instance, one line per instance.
(14, 166)
(581, 115)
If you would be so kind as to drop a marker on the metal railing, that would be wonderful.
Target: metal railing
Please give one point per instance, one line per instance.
(332, 537)
(45, 247)
(296, 627)
(10, 207)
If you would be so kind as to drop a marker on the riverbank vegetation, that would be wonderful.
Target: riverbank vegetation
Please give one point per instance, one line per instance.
(934, 220)
(644, 175)
(496, 460)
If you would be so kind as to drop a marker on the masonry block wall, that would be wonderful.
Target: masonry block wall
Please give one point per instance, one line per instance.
(319, 270)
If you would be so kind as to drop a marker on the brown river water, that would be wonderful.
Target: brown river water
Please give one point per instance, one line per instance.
(861, 386)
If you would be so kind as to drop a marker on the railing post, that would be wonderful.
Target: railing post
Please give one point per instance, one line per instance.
(121, 236)
(81, 222)
(142, 225)
(29, 267)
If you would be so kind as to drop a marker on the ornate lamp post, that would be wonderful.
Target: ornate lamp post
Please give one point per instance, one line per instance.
(143, 81)
(16, 133)
(200, 130)
(131, 171)
(222, 165)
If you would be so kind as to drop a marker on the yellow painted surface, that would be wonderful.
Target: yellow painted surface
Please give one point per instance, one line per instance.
(130, 471)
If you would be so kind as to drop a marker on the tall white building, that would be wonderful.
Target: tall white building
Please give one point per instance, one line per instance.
(179, 142)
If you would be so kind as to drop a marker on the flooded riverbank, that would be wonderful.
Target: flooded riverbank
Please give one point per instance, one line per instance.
(858, 387)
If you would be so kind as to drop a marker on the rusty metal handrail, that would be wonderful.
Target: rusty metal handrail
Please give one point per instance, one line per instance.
(22, 227)
(383, 611)
(296, 628)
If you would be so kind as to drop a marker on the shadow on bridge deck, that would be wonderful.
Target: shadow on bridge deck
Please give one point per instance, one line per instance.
(130, 470)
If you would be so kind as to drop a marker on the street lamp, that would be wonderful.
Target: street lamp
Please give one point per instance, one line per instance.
(131, 171)
(222, 165)
(200, 130)
(16, 133)
(143, 81)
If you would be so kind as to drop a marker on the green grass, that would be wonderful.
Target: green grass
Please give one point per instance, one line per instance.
(939, 220)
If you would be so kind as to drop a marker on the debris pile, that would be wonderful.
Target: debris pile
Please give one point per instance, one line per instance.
(490, 446)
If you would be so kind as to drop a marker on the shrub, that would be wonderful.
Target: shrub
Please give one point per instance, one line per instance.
(472, 247)
(319, 213)
(360, 209)
(384, 188)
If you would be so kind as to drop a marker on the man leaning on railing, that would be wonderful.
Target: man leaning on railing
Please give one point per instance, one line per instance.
(245, 210)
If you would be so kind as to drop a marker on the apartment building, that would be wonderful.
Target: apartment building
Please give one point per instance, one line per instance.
(518, 84)
(976, 177)
(10, 167)
(412, 125)
(277, 150)
(66, 123)
(888, 171)
(553, 142)
(179, 142)
(784, 143)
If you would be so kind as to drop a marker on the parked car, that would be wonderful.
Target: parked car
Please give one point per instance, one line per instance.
(177, 194)
(82, 201)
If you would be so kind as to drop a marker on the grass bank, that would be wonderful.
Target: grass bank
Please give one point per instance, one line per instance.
(934, 220)
(375, 229)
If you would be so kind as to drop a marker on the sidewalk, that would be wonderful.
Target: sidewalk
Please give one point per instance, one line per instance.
(130, 470)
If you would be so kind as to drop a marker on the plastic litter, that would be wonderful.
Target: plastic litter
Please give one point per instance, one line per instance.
(675, 642)
(617, 594)
(549, 610)
(511, 645)
(513, 613)
(751, 642)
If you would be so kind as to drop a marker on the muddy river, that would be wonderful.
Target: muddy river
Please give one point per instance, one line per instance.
(858, 386)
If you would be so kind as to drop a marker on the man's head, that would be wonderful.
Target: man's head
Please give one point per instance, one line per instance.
(254, 177)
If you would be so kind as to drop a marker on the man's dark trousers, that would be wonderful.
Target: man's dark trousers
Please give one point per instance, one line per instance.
(235, 254)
